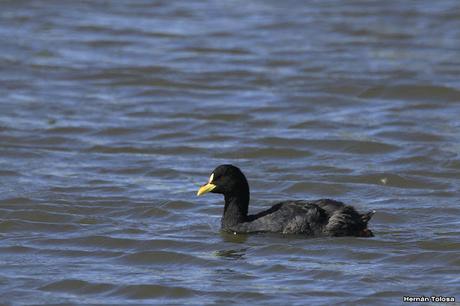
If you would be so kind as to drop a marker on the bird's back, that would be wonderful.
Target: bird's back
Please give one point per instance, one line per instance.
(310, 218)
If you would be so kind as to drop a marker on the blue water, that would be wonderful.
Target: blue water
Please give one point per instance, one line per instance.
(113, 113)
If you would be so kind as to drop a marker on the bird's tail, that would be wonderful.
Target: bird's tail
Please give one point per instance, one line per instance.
(365, 232)
(367, 216)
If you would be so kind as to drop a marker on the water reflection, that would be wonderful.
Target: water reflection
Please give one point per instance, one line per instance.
(231, 254)
(233, 237)
(238, 253)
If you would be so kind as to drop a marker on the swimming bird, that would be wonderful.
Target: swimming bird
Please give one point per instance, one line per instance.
(322, 217)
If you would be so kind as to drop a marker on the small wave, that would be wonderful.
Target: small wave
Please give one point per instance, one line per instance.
(68, 130)
(390, 180)
(144, 150)
(413, 92)
(77, 286)
(323, 189)
(117, 131)
(264, 152)
(16, 226)
(164, 258)
(151, 291)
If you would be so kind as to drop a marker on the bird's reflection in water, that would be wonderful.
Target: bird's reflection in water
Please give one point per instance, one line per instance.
(233, 237)
(232, 253)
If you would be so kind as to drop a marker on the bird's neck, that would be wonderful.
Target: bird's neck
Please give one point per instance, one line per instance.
(235, 210)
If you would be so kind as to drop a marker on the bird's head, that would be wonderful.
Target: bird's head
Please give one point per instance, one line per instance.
(227, 180)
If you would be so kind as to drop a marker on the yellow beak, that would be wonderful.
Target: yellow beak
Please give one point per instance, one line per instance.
(205, 189)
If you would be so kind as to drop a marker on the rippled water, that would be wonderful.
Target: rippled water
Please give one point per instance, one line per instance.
(113, 112)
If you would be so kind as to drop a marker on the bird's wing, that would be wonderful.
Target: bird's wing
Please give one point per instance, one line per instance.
(286, 217)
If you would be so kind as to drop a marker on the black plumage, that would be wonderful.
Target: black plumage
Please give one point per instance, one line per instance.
(323, 217)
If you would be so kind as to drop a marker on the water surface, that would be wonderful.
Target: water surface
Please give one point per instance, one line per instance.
(113, 113)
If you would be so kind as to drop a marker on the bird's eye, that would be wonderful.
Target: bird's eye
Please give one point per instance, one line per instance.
(211, 178)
